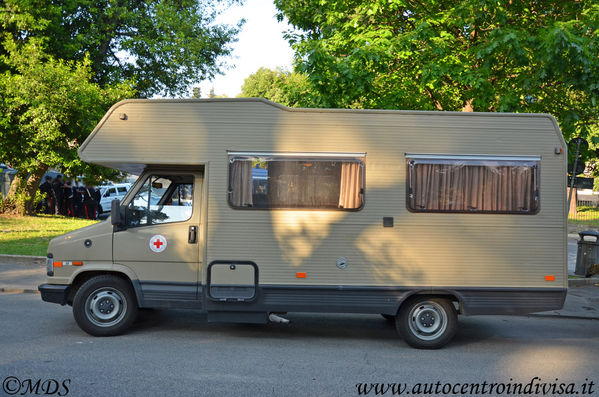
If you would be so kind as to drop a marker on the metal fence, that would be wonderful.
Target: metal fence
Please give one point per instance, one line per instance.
(587, 212)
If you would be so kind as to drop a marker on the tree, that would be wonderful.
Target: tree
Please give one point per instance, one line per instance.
(163, 45)
(287, 88)
(47, 109)
(64, 63)
(464, 55)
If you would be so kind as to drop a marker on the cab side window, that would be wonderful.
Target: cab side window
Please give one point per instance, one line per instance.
(161, 199)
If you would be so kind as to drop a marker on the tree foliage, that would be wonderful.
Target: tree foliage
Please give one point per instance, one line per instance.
(163, 45)
(481, 55)
(63, 63)
(47, 108)
(287, 88)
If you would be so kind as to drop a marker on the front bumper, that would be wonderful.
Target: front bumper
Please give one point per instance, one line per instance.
(54, 293)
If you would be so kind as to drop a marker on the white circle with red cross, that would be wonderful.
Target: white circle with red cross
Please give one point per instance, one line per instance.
(158, 243)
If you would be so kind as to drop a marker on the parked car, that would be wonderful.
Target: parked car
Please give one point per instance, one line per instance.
(448, 220)
(111, 192)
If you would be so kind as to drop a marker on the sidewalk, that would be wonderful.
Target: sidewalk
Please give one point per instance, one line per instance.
(581, 302)
(20, 274)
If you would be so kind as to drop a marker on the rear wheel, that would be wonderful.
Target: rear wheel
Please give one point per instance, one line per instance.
(427, 323)
(105, 306)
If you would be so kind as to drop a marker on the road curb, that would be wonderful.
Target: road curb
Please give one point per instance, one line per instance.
(581, 282)
(18, 290)
(22, 257)
(564, 316)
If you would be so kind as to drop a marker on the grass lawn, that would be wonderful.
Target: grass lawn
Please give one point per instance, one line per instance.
(585, 215)
(29, 235)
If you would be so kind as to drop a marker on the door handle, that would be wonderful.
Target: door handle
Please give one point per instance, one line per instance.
(192, 237)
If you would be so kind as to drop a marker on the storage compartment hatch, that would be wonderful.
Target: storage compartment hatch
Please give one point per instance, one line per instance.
(232, 281)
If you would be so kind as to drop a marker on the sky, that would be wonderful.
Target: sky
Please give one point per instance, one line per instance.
(260, 44)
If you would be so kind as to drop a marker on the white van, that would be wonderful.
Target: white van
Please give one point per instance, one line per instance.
(111, 192)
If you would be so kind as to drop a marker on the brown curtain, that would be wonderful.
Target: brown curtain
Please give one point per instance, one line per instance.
(467, 187)
(351, 184)
(241, 183)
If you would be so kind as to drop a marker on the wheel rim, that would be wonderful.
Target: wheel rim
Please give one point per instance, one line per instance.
(428, 320)
(105, 307)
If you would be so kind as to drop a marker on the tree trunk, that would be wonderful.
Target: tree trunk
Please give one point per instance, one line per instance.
(33, 184)
(20, 199)
(14, 186)
(10, 202)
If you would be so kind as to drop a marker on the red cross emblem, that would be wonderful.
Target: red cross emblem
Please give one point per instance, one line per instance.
(158, 243)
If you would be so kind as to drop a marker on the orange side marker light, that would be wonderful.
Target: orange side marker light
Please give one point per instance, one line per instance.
(550, 278)
(77, 263)
(58, 264)
(300, 275)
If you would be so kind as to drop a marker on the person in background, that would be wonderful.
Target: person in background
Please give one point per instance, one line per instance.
(77, 200)
(58, 195)
(96, 196)
(48, 192)
(67, 199)
(89, 204)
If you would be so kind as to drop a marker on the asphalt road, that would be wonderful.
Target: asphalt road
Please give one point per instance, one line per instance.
(178, 353)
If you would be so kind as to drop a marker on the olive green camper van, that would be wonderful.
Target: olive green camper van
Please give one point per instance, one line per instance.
(244, 208)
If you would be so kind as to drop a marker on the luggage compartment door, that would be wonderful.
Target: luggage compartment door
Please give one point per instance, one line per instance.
(232, 281)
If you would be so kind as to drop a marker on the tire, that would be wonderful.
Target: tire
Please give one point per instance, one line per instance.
(105, 306)
(426, 322)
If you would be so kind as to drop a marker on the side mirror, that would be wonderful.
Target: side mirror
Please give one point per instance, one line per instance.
(116, 216)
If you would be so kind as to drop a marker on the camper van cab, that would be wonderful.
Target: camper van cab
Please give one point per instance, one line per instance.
(245, 208)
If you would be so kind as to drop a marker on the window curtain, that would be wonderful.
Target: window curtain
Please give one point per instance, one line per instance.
(241, 183)
(467, 187)
(351, 184)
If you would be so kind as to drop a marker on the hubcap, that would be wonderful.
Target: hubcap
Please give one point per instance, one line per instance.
(105, 307)
(428, 320)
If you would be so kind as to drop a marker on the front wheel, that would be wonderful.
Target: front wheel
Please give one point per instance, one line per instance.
(427, 323)
(105, 306)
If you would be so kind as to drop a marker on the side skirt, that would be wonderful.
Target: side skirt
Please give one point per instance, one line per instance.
(348, 299)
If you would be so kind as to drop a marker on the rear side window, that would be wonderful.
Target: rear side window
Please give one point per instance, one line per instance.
(122, 190)
(265, 182)
(507, 185)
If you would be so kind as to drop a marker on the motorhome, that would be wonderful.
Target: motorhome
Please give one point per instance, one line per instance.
(245, 208)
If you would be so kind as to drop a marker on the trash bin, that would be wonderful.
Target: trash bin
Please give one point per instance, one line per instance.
(587, 255)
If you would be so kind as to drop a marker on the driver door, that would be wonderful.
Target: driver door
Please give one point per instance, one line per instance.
(161, 240)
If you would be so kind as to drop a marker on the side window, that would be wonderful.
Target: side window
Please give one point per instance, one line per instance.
(264, 182)
(162, 199)
(473, 185)
(110, 192)
(122, 190)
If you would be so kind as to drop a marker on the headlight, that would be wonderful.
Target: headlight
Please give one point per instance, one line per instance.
(50, 265)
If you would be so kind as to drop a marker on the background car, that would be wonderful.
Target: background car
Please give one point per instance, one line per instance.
(111, 192)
